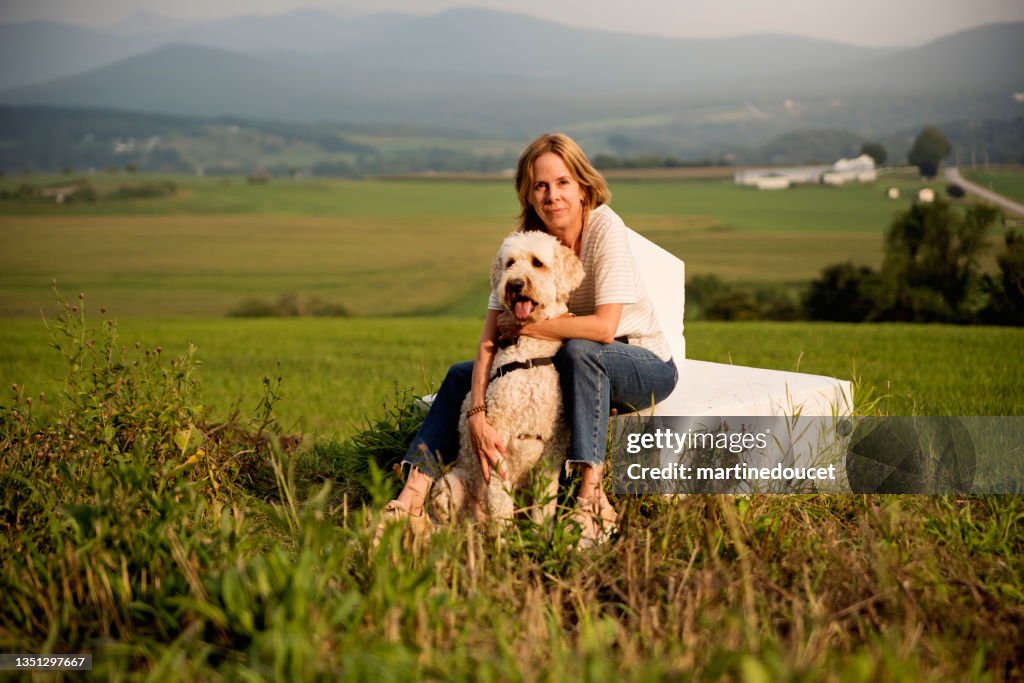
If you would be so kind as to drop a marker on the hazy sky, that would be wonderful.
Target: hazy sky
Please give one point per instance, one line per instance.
(863, 22)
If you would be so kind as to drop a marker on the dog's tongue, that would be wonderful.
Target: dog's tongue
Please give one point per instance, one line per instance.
(523, 309)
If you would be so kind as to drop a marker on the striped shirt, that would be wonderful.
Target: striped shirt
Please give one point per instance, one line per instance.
(612, 278)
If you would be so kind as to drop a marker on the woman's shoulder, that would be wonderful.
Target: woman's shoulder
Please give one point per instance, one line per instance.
(603, 219)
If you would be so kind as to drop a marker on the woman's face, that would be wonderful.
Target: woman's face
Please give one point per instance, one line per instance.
(556, 196)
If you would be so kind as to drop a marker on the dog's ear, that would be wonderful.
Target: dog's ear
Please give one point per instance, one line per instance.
(571, 274)
(497, 267)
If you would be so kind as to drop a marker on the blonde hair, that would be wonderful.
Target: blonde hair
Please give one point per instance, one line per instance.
(595, 189)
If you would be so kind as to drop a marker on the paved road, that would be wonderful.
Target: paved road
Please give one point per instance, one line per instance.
(1005, 203)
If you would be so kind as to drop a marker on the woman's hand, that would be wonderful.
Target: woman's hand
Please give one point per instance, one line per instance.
(488, 446)
(599, 327)
(508, 327)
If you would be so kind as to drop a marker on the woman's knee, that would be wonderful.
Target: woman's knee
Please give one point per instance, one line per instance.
(459, 377)
(461, 370)
(577, 352)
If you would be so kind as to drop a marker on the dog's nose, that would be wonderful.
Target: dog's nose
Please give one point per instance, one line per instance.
(515, 286)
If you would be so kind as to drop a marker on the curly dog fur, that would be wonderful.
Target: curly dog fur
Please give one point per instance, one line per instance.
(534, 274)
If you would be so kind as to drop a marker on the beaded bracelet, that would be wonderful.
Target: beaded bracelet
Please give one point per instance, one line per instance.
(476, 409)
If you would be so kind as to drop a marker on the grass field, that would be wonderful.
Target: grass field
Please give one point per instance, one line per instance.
(145, 523)
(1008, 182)
(338, 373)
(401, 247)
(175, 558)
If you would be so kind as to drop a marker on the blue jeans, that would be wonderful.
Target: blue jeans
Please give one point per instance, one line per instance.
(595, 378)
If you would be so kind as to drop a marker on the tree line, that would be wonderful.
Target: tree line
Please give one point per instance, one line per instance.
(931, 272)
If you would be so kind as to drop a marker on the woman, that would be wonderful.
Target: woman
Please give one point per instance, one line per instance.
(614, 354)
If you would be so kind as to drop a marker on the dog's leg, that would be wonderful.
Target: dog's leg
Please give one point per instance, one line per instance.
(448, 497)
(499, 503)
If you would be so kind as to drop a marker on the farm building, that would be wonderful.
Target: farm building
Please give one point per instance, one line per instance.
(773, 182)
(861, 169)
(767, 178)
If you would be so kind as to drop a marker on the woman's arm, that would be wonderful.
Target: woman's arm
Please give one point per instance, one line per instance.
(599, 327)
(487, 443)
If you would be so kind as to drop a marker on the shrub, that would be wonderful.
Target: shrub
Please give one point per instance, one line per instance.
(288, 305)
(115, 493)
(775, 302)
(701, 291)
(931, 264)
(148, 190)
(377, 448)
(844, 293)
(1006, 304)
(709, 298)
(253, 308)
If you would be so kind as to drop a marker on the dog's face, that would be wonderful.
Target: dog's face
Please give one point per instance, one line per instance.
(532, 272)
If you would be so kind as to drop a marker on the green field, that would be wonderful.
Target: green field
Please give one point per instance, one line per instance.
(402, 247)
(173, 556)
(158, 524)
(337, 373)
(169, 269)
(1007, 182)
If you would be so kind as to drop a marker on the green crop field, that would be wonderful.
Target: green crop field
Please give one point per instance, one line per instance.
(337, 373)
(1008, 182)
(402, 247)
(153, 516)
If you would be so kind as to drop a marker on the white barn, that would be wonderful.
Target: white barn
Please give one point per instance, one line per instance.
(796, 175)
(859, 170)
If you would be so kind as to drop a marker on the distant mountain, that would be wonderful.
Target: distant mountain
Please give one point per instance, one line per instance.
(146, 22)
(179, 79)
(512, 75)
(488, 42)
(986, 57)
(458, 41)
(307, 31)
(37, 51)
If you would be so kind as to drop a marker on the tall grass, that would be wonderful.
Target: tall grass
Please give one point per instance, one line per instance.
(173, 548)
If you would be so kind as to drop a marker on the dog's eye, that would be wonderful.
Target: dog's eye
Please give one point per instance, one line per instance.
(510, 262)
(537, 263)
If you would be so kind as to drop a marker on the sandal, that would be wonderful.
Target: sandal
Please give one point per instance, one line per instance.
(597, 520)
(396, 512)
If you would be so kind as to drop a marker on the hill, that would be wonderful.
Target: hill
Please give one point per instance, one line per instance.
(467, 69)
(54, 139)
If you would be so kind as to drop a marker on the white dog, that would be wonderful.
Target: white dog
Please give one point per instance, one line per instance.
(533, 274)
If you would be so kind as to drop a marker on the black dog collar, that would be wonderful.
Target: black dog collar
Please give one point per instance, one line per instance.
(522, 365)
